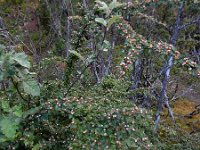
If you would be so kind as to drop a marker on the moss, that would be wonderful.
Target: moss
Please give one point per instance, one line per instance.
(182, 108)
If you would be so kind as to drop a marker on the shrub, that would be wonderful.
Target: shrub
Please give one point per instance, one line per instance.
(95, 118)
(89, 123)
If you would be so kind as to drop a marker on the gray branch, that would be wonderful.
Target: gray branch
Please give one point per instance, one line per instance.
(197, 20)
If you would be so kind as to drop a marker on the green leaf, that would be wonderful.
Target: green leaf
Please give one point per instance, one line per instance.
(31, 111)
(106, 45)
(11, 70)
(17, 110)
(104, 7)
(36, 147)
(77, 54)
(1, 76)
(106, 42)
(31, 87)
(114, 4)
(22, 59)
(2, 47)
(9, 127)
(90, 59)
(113, 20)
(101, 21)
(105, 49)
(5, 106)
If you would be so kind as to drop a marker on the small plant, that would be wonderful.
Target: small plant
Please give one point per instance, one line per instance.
(14, 70)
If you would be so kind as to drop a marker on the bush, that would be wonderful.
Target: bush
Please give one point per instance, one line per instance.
(89, 120)
(88, 123)
(97, 118)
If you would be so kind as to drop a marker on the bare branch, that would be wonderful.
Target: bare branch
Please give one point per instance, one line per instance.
(197, 20)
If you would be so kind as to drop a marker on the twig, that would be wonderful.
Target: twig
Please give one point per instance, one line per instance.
(189, 23)
(77, 79)
(15, 85)
(179, 96)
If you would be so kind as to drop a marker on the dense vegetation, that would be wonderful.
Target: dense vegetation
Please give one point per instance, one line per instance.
(110, 74)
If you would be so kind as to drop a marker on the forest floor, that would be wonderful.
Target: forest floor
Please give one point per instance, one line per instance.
(185, 105)
(193, 96)
(187, 115)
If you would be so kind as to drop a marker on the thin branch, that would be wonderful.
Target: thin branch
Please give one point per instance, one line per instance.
(75, 81)
(197, 20)
(163, 95)
(151, 18)
(181, 95)
(15, 85)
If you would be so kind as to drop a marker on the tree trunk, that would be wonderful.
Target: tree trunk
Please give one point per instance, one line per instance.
(85, 5)
(166, 73)
(110, 53)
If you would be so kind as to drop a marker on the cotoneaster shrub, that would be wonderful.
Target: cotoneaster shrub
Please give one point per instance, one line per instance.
(87, 121)
(100, 117)
(90, 120)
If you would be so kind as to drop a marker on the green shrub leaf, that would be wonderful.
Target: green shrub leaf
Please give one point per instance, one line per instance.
(77, 54)
(9, 127)
(5, 106)
(31, 87)
(1, 76)
(114, 4)
(22, 59)
(101, 21)
(112, 20)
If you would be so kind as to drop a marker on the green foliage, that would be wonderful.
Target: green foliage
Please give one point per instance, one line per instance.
(108, 82)
(83, 122)
(70, 68)
(101, 20)
(77, 54)
(15, 66)
(173, 139)
(16, 110)
(107, 9)
(15, 2)
(115, 126)
(9, 122)
(98, 118)
(87, 115)
(109, 22)
(8, 128)
(21, 59)
(31, 87)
